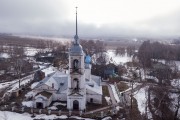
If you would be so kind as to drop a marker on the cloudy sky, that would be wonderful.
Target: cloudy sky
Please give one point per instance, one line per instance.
(96, 18)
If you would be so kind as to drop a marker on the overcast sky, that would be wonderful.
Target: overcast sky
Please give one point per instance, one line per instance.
(112, 18)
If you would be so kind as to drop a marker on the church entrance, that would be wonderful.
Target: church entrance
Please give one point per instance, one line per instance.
(75, 105)
(39, 105)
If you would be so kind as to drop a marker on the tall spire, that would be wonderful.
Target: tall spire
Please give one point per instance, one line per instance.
(76, 36)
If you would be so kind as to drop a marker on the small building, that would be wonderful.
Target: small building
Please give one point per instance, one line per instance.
(42, 99)
(109, 70)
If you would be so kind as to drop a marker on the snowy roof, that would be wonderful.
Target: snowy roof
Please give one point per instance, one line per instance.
(45, 93)
(94, 87)
(96, 79)
(94, 84)
(60, 82)
(76, 49)
(57, 79)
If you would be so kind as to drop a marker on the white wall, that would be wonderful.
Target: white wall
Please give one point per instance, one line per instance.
(60, 97)
(88, 74)
(96, 98)
(81, 100)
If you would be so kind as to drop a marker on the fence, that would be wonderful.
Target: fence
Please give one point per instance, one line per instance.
(34, 111)
(122, 97)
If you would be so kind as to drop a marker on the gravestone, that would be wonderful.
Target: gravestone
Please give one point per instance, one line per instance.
(59, 112)
(102, 114)
(80, 113)
(49, 112)
(40, 111)
(70, 112)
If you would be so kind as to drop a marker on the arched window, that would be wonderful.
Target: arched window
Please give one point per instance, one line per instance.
(75, 64)
(76, 83)
(52, 85)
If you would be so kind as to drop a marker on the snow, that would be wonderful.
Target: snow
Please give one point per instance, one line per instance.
(6, 84)
(59, 103)
(24, 81)
(174, 98)
(48, 70)
(107, 118)
(96, 88)
(175, 83)
(141, 100)
(117, 58)
(52, 108)
(118, 108)
(34, 84)
(108, 100)
(140, 96)
(27, 103)
(5, 115)
(30, 94)
(115, 93)
(30, 51)
(4, 55)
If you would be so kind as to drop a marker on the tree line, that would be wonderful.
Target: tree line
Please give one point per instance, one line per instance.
(157, 51)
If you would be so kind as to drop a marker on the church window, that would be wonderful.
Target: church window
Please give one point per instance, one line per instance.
(91, 100)
(75, 64)
(76, 83)
(52, 85)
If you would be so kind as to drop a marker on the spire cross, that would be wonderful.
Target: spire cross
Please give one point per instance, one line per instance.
(76, 36)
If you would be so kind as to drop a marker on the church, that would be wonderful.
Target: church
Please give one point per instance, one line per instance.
(77, 86)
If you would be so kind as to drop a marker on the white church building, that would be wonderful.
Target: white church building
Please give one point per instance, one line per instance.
(77, 87)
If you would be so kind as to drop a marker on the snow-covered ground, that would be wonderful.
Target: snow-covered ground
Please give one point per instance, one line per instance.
(174, 98)
(5, 115)
(140, 96)
(27, 103)
(108, 100)
(34, 84)
(141, 100)
(30, 51)
(49, 70)
(23, 82)
(59, 103)
(117, 58)
(176, 62)
(6, 84)
(175, 83)
(4, 55)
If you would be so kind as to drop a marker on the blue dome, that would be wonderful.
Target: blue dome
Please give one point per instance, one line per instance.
(87, 59)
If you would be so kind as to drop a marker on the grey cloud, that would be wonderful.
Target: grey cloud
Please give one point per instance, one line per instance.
(46, 17)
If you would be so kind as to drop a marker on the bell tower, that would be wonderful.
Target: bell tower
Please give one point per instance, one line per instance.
(76, 96)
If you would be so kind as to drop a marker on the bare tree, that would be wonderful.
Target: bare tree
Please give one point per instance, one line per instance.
(177, 105)
(120, 51)
(130, 50)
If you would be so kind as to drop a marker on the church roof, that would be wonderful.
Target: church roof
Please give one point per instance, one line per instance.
(94, 87)
(87, 59)
(45, 93)
(76, 49)
(58, 79)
